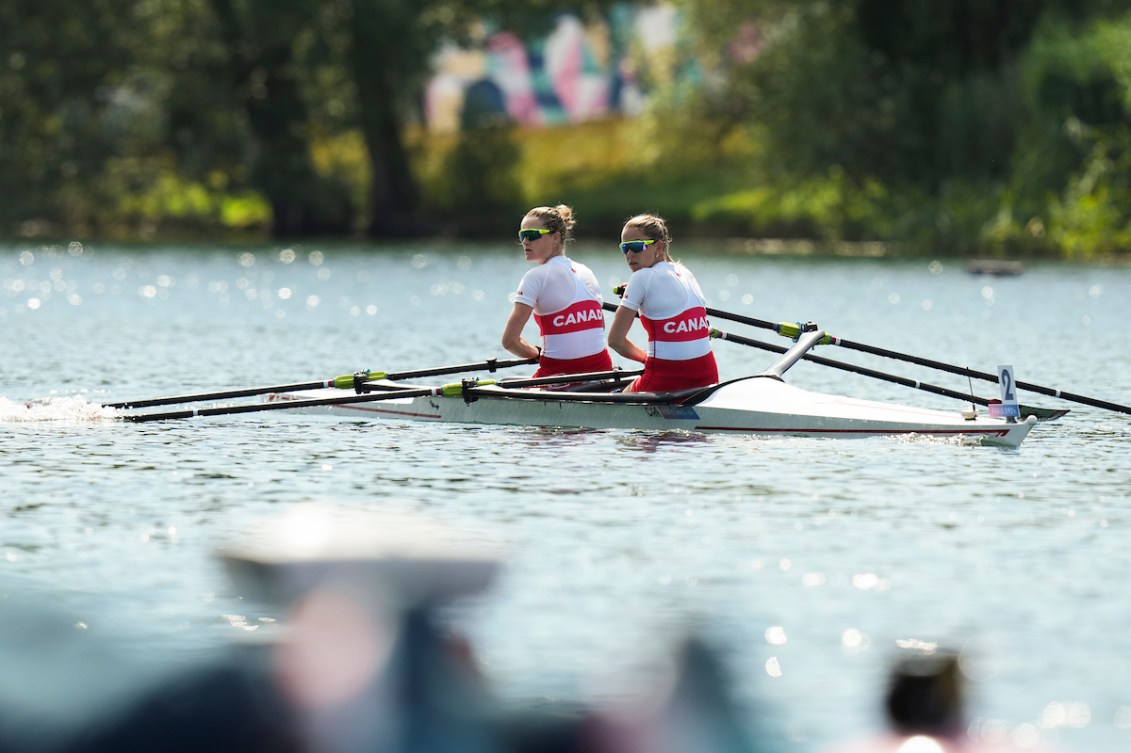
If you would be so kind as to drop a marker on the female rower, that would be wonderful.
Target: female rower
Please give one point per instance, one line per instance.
(671, 307)
(563, 296)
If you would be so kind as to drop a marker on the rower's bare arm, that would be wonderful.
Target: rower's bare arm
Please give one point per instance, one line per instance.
(618, 335)
(513, 340)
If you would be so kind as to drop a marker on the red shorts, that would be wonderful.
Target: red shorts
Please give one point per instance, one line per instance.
(555, 366)
(661, 375)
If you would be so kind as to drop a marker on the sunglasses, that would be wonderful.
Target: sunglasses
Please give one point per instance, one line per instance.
(635, 246)
(533, 234)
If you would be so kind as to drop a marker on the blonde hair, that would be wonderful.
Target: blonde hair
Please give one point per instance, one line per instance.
(557, 219)
(653, 227)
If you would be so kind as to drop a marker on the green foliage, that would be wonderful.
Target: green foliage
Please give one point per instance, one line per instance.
(989, 127)
(62, 119)
(828, 208)
(1071, 183)
(477, 189)
(969, 127)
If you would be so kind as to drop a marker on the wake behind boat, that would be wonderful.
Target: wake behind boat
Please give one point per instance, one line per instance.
(759, 405)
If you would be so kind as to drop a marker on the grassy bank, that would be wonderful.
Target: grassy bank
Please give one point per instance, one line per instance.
(701, 177)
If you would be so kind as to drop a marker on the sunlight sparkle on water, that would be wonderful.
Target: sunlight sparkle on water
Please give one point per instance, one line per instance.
(996, 732)
(812, 580)
(853, 640)
(869, 582)
(1075, 714)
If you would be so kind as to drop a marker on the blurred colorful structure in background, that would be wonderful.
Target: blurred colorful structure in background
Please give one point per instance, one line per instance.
(579, 71)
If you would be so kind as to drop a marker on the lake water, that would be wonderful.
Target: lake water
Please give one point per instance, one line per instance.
(809, 562)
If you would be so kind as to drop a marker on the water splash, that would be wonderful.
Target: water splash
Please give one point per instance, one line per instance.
(74, 408)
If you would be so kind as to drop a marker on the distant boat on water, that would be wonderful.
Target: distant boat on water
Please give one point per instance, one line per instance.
(995, 267)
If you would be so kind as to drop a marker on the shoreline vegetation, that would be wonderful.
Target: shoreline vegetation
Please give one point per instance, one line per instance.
(999, 131)
(709, 194)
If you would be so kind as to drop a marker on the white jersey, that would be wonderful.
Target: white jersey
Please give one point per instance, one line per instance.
(567, 302)
(672, 309)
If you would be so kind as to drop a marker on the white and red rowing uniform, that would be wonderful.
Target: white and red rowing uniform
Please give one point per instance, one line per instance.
(567, 302)
(674, 314)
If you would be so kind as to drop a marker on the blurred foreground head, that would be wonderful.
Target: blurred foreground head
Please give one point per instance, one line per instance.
(925, 695)
(363, 661)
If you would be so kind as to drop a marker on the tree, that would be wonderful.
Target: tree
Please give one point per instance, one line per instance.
(102, 102)
(923, 97)
(262, 40)
(65, 109)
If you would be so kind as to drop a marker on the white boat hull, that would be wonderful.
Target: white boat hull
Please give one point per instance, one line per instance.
(762, 406)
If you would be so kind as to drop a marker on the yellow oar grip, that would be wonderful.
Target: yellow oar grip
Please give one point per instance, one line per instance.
(456, 388)
(792, 331)
(347, 381)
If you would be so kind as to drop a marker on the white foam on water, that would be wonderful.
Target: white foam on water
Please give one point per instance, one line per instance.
(73, 408)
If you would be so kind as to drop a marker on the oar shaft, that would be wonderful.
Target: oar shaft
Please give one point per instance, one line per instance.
(223, 395)
(939, 365)
(592, 376)
(1082, 399)
(348, 381)
(963, 371)
(854, 369)
(790, 330)
(224, 410)
(374, 393)
(760, 323)
(491, 365)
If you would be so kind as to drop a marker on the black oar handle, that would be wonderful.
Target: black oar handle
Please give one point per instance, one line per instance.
(760, 323)
(615, 375)
(491, 365)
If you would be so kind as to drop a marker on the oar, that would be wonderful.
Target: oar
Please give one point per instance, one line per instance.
(347, 382)
(366, 397)
(1043, 414)
(782, 328)
(615, 375)
(793, 330)
(374, 393)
